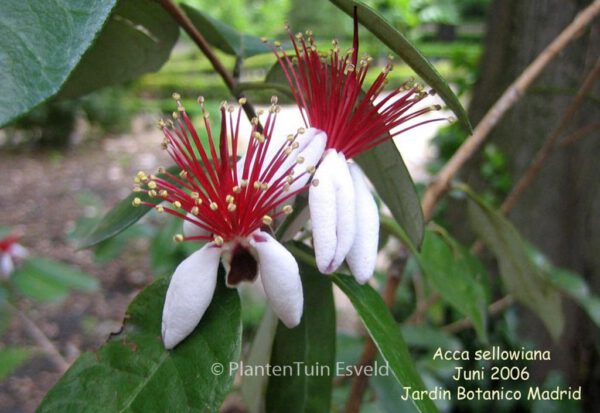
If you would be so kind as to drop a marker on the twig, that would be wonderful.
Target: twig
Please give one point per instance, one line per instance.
(440, 183)
(184, 22)
(580, 134)
(42, 341)
(552, 140)
(360, 381)
(549, 146)
(418, 315)
(495, 308)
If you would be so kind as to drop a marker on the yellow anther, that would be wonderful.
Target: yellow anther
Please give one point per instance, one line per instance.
(152, 193)
(195, 210)
(315, 182)
(195, 195)
(136, 180)
(201, 100)
(231, 207)
(264, 186)
(287, 209)
(286, 187)
(295, 145)
(242, 101)
(214, 206)
(163, 193)
(183, 174)
(136, 202)
(177, 204)
(267, 220)
(311, 169)
(161, 170)
(256, 184)
(175, 115)
(229, 199)
(164, 144)
(137, 189)
(160, 209)
(264, 40)
(289, 179)
(152, 185)
(277, 44)
(244, 183)
(300, 159)
(142, 175)
(290, 138)
(178, 238)
(218, 240)
(230, 108)
(236, 189)
(198, 201)
(274, 100)
(176, 96)
(206, 115)
(259, 137)
(301, 130)
(288, 150)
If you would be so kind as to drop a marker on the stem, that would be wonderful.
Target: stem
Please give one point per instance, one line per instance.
(42, 341)
(440, 183)
(552, 141)
(184, 22)
(495, 308)
(360, 381)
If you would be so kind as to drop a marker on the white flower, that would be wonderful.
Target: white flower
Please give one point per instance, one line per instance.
(345, 218)
(193, 283)
(231, 204)
(11, 254)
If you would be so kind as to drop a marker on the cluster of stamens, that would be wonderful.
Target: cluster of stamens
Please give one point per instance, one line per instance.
(225, 196)
(328, 89)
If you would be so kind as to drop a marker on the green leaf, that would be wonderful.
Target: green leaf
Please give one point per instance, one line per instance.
(121, 217)
(46, 280)
(571, 283)
(393, 39)
(137, 38)
(41, 42)
(387, 172)
(254, 387)
(522, 277)
(224, 37)
(456, 275)
(11, 358)
(134, 373)
(385, 333)
(311, 343)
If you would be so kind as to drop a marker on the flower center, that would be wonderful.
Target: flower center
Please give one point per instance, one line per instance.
(243, 266)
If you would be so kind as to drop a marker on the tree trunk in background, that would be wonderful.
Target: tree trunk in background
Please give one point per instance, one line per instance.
(560, 211)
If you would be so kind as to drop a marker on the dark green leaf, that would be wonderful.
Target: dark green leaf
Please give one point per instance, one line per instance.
(46, 280)
(137, 38)
(134, 373)
(385, 333)
(522, 277)
(41, 42)
(456, 275)
(571, 283)
(388, 174)
(121, 217)
(11, 358)
(224, 37)
(393, 39)
(311, 343)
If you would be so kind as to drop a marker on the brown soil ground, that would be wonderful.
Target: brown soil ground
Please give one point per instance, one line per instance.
(38, 198)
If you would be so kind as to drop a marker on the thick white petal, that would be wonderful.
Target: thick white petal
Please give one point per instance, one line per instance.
(192, 230)
(321, 201)
(6, 265)
(190, 292)
(331, 205)
(362, 257)
(280, 276)
(312, 145)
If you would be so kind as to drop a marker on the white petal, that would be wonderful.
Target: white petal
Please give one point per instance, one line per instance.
(280, 276)
(190, 292)
(362, 257)
(192, 230)
(6, 265)
(331, 205)
(312, 145)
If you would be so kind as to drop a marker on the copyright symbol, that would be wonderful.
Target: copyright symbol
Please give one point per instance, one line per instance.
(216, 369)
